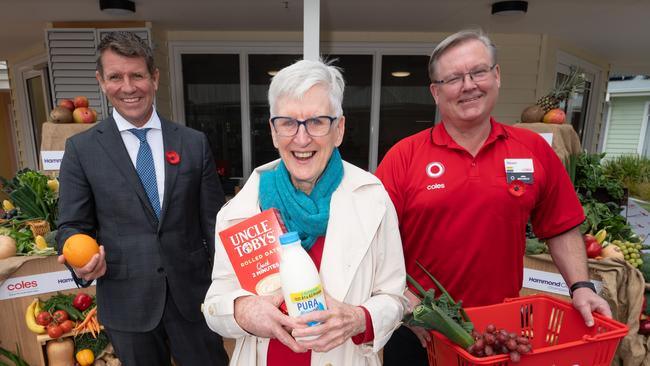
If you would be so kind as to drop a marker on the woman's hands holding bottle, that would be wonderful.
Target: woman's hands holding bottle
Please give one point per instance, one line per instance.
(338, 323)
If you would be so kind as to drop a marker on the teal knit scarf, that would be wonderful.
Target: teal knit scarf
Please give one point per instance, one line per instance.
(306, 214)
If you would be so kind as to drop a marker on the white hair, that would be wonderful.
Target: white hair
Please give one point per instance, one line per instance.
(295, 80)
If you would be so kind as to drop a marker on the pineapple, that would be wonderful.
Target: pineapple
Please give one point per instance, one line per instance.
(574, 82)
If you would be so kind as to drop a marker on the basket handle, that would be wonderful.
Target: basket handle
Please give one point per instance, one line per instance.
(594, 338)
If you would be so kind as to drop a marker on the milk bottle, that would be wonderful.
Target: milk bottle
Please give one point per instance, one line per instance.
(301, 286)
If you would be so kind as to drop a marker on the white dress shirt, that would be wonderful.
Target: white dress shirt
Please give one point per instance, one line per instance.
(155, 141)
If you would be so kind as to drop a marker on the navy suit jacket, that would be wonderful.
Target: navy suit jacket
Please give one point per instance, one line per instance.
(101, 195)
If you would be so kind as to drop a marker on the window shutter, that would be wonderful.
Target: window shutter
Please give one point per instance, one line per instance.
(71, 54)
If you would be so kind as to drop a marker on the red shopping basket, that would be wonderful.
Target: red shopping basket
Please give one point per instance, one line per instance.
(556, 331)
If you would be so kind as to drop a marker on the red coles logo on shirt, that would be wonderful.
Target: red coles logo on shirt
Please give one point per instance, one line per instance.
(435, 169)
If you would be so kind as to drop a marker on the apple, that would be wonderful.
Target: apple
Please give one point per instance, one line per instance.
(94, 112)
(83, 115)
(555, 116)
(67, 104)
(81, 102)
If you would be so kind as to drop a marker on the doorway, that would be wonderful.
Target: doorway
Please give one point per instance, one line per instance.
(33, 104)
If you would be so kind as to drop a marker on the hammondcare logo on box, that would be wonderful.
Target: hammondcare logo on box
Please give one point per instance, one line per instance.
(51, 159)
(550, 282)
(36, 284)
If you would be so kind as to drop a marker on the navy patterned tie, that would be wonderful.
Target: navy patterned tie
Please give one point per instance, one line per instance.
(146, 170)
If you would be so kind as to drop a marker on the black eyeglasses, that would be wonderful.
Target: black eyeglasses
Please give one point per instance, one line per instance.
(315, 126)
(476, 75)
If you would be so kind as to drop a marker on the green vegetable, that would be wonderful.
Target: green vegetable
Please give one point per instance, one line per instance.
(62, 302)
(442, 314)
(71, 310)
(86, 340)
(16, 358)
(590, 178)
(24, 239)
(29, 192)
(605, 216)
(534, 246)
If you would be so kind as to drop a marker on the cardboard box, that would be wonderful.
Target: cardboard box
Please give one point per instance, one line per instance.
(53, 142)
(542, 276)
(253, 247)
(13, 330)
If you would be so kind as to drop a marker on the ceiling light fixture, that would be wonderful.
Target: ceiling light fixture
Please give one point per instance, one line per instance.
(509, 7)
(117, 7)
(400, 74)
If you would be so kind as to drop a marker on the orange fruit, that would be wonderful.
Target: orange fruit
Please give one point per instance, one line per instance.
(79, 249)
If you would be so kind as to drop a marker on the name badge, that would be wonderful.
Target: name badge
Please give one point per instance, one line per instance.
(519, 169)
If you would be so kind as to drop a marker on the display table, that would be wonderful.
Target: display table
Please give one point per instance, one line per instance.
(28, 282)
(619, 283)
(565, 139)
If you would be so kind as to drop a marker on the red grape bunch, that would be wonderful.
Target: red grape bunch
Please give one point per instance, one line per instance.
(499, 342)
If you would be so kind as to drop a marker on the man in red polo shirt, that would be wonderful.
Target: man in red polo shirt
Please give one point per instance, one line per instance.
(465, 189)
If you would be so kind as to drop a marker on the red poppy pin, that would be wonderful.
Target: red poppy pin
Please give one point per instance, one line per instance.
(172, 157)
(517, 188)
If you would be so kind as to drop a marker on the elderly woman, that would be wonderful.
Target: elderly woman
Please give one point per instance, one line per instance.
(347, 224)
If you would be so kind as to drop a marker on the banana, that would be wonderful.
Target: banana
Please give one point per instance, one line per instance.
(7, 205)
(30, 319)
(37, 308)
(600, 236)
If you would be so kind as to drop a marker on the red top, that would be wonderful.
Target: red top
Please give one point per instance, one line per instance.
(460, 218)
(279, 355)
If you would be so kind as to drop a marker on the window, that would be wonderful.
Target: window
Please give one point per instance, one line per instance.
(212, 104)
(576, 107)
(407, 106)
(261, 69)
(581, 109)
(221, 89)
(357, 73)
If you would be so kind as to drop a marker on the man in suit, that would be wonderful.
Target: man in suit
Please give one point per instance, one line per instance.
(147, 190)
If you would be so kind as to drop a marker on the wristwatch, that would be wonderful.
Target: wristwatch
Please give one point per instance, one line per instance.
(581, 284)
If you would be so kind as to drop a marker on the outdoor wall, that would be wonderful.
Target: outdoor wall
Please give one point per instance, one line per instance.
(528, 65)
(625, 125)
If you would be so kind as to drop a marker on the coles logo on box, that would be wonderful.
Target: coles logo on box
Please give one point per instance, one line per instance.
(22, 285)
(36, 284)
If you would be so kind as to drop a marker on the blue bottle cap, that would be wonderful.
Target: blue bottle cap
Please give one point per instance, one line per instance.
(289, 237)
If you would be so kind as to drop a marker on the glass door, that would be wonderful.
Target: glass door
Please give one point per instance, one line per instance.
(577, 106)
(212, 104)
(38, 102)
(406, 105)
(582, 109)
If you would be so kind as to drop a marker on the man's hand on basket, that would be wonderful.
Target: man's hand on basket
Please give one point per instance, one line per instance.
(586, 301)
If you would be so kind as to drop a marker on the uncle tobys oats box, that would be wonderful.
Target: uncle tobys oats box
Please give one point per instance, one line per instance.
(253, 248)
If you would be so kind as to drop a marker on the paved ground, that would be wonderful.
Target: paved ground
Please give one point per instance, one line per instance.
(638, 218)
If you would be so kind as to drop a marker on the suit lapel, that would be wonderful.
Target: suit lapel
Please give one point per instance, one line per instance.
(172, 141)
(110, 140)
